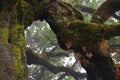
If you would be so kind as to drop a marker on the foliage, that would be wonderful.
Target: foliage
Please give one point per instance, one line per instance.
(39, 36)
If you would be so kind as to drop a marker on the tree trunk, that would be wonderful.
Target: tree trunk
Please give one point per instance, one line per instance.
(12, 46)
(100, 66)
(83, 37)
(15, 16)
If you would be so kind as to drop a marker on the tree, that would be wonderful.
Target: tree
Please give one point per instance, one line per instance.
(87, 39)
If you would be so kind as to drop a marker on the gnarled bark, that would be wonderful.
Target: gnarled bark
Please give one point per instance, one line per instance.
(86, 39)
(89, 36)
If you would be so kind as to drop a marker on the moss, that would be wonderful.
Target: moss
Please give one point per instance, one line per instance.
(84, 33)
(18, 67)
(60, 15)
(29, 10)
(24, 12)
(17, 49)
(4, 33)
(17, 35)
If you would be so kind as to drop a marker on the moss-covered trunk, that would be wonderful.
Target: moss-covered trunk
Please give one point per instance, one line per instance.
(15, 16)
(12, 47)
(87, 39)
(83, 37)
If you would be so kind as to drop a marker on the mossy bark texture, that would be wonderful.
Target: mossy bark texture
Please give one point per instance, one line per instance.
(12, 51)
(86, 38)
(67, 23)
(13, 64)
(15, 16)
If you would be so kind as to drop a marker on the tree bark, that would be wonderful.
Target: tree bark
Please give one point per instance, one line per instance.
(89, 36)
(107, 9)
(71, 31)
(91, 10)
(13, 64)
(12, 48)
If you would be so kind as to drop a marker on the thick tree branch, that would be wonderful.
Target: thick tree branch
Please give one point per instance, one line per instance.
(112, 31)
(85, 9)
(107, 9)
(67, 24)
(33, 58)
(117, 45)
(91, 10)
(65, 74)
(57, 54)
